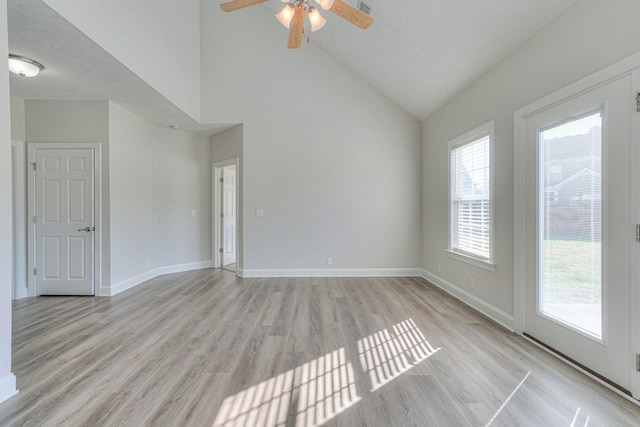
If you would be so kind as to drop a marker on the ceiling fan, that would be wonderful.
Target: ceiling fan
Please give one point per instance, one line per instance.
(293, 14)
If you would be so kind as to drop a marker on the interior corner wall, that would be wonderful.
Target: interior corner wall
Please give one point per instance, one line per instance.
(586, 38)
(7, 379)
(76, 121)
(159, 40)
(333, 163)
(159, 177)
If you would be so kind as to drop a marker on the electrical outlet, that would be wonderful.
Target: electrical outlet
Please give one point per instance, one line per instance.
(329, 261)
(193, 212)
(259, 212)
(146, 263)
(472, 282)
(439, 269)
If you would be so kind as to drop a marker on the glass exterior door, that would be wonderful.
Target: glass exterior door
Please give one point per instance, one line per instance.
(576, 220)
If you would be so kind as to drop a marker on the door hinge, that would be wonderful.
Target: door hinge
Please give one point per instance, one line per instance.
(222, 179)
(221, 214)
(638, 102)
(638, 362)
(35, 219)
(637, 232)
(35, 271)
(221, 250)
(34, 165)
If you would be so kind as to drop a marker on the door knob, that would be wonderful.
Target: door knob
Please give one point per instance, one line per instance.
(85, 229)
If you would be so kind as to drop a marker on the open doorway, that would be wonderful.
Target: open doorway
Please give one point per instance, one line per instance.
(226, 215)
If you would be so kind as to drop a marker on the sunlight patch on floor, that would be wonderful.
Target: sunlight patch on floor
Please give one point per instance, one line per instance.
(318, 390)
(386, 356)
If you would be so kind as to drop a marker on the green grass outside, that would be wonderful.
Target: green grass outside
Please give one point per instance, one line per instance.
(572, 272)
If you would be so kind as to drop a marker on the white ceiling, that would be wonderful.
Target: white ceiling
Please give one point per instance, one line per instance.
(419, 53)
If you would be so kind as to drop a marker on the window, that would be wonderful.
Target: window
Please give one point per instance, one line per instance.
(470, 207)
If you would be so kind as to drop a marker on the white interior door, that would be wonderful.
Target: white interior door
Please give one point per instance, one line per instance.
(64, 221)
(577, 229)
(229, 215)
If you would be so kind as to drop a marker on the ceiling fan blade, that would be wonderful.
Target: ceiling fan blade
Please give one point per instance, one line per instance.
(296, 28)
(230, 6)
(351, 14)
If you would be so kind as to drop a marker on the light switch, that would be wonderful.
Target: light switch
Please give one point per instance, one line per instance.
(259, 212)
(193, 212)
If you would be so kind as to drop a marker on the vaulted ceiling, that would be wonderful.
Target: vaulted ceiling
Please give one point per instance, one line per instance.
(419, 53)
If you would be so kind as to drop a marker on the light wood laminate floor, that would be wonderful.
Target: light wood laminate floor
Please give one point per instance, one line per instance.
(205, 348)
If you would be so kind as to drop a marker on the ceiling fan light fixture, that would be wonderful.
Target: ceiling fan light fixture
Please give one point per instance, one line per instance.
(286, 15)
(24, 67)
(316, 20)
(325, 4)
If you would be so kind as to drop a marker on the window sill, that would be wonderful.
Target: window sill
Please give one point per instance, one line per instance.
(486, 265)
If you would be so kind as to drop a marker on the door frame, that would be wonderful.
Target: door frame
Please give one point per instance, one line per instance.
(628, 66)
(32, 147)
(216, 234)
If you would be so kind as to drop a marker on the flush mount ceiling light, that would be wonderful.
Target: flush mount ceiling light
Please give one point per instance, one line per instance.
(292, 16)
(24, 67)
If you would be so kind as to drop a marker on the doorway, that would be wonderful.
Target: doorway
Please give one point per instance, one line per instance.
(574, 213)
(225, 237)
(62, 201)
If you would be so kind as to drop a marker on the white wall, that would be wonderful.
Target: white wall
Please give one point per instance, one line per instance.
(334, 164)
(17, 119)
(7, 379)
(132, 188)
(158, 176)
(19, 177)
(183, 183)
(587, 37)
(227, 144)
(76, 121)
(159, 40)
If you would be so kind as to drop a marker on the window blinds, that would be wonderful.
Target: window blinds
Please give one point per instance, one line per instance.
(471, 198)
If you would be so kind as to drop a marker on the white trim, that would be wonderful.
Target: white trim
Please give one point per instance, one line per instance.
(634, 329)
(151, 274)
(487, 129)
(492, 312)
(337, 272)
(477, 262)
(179, 268)
(97, 196)
(127, 283)
(7, 387)
(216, 261)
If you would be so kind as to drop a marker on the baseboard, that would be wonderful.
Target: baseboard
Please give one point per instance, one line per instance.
(335, 272)
(473, 301)
(129, 283)
(179, 268)
(148, 275)
(7, 387)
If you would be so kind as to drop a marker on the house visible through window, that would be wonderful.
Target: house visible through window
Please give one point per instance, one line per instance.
(470, 195)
